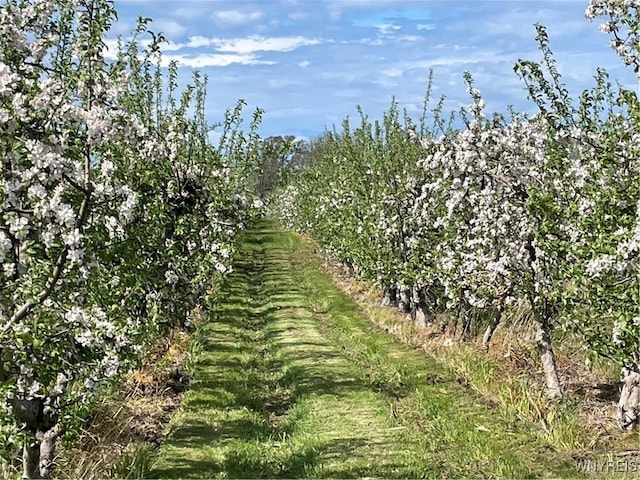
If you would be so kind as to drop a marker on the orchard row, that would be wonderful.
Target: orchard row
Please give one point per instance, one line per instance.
(117, 214)
(473, 216)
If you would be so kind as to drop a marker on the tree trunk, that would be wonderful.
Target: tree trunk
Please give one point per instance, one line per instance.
(47, 450)
(548, 358)
(464, 316)
(43, 428)
(348, 266)
(404, 302)
(542, 314)
(420, 309)
(628, 413)
(31, 458)
(390, 297)
(466, 328)
(491, 328)
(38, 452)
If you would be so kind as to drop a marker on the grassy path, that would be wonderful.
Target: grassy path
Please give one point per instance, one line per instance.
(292, 381)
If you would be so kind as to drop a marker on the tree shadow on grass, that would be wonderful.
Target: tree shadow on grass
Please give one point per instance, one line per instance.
(264, 460)
(227, 426)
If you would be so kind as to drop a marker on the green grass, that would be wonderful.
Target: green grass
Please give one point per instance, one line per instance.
(292, 381)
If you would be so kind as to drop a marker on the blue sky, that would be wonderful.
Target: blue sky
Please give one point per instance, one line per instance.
(308, 63)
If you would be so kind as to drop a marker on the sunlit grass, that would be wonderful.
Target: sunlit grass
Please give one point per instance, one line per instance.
(293, 381)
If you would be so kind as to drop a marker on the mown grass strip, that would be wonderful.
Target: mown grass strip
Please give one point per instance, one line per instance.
(458, 434)
(294, 382)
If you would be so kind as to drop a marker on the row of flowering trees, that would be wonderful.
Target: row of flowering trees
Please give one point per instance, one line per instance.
(116, 211)
(541, 210)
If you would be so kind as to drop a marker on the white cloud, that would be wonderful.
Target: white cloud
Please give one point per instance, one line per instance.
(198, 41)
(189, 10)
(392, 72)
(335, 12)
(170, 28)
(409, 38)
(242, 48)
(387, 28)
(171, 46)
(257, 43)
(412, 107)
(236, 17)
(384, 83)
(302, 138)
(245, 45)
(423, 26)
(214, 60)
(342, 76)
(481, 57)
(369, 41)
(448, 45)
(386, 39)
(110, 49)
